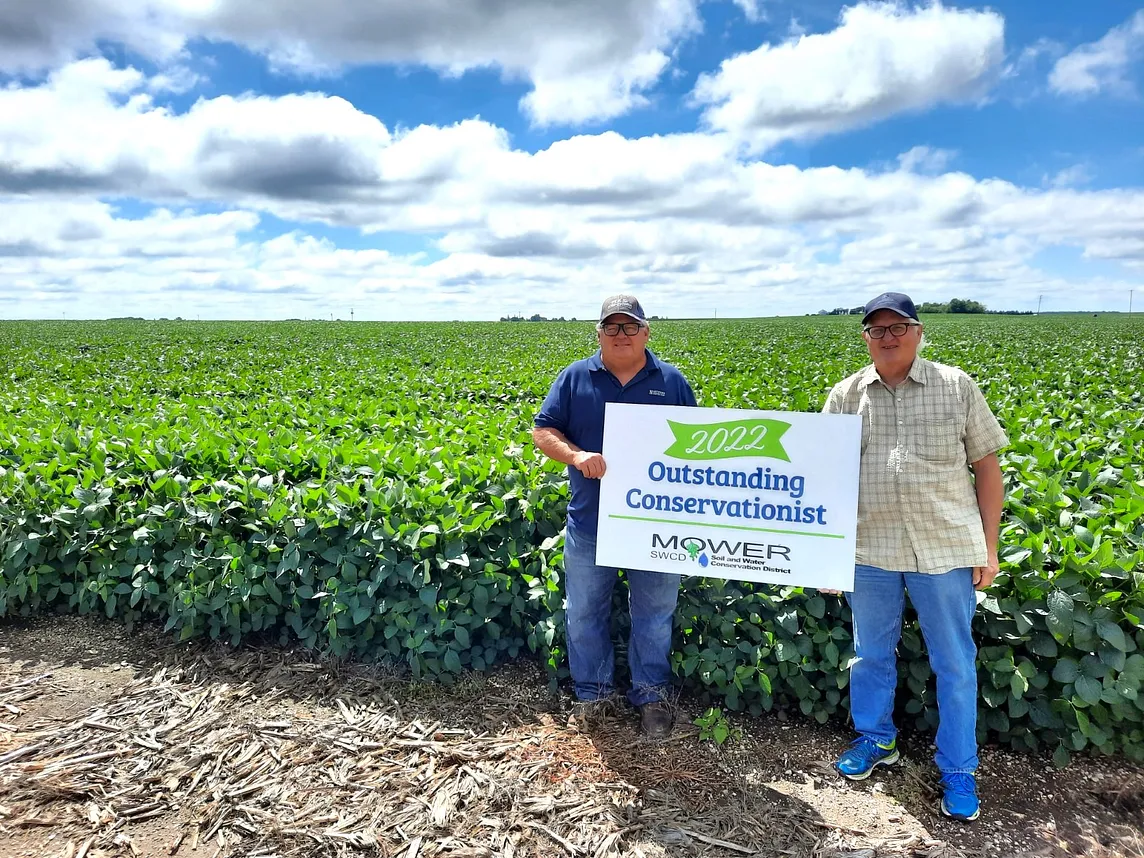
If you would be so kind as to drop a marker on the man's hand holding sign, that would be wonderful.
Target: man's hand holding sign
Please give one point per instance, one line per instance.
(591, 465)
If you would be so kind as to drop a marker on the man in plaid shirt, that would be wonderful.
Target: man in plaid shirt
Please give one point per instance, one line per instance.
(924, 526)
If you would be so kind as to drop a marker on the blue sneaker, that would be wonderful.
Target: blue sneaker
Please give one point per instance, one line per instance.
(960, 800)
(863, 755)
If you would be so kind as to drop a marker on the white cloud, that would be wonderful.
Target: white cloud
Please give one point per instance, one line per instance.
(752, 10)
(562, 96)
(177, 79)
(1032, 54)
(926, 159)
(1070, 177)
(1101, 66)
(882, 59)
(588, 60)
(166, 263)
(679, 217)
(83, 260)
(91, 128)
(41, 34)
(60, 229)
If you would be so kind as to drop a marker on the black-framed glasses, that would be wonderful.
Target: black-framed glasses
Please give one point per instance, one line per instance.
(898, 329)
(612, 329)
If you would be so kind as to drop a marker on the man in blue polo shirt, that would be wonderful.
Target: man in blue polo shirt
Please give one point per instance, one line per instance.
(570, 429)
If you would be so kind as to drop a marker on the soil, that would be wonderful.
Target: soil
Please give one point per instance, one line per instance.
(770, 790)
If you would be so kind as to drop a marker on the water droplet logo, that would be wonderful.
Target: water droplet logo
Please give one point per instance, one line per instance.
(703, 561)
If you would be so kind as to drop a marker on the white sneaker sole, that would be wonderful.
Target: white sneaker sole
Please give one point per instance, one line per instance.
(976, 814)
(888, 760)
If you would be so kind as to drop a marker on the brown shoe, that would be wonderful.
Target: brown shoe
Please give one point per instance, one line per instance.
(655, 719)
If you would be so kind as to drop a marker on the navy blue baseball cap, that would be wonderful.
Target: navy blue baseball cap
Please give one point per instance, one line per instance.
(901, 304)
(626, 304)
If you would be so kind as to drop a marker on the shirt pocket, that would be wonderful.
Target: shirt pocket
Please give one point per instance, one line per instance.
(939, 439)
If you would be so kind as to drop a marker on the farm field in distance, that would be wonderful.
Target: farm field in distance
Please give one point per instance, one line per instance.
(371, 490)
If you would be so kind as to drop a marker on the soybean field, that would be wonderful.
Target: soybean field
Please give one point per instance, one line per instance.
(370, 489)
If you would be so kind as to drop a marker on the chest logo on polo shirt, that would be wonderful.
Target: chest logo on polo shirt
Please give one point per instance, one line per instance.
(657, 392)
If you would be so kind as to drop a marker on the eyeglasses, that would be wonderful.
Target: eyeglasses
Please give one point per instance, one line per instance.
(898, 329)
(612, 329)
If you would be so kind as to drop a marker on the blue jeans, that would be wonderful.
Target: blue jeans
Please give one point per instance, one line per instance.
(945, 605)
(651, 600)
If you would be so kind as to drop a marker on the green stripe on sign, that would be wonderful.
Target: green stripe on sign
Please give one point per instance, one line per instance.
(729, 526)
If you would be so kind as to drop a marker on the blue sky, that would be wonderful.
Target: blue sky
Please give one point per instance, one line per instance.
(470, 159)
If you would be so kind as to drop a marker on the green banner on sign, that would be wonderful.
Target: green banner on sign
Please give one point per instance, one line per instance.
(733, 440)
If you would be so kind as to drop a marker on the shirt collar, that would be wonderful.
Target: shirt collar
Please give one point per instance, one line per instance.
(919, 372)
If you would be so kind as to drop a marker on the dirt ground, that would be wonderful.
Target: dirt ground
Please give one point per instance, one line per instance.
(117, 743)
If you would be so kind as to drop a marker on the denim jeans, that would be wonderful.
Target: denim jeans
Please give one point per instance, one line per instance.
(945, 605)
(651, 600)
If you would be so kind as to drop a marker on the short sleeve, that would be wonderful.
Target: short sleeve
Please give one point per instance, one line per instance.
(686, 394)
(983, 433)
(833, 404)
(554, 410)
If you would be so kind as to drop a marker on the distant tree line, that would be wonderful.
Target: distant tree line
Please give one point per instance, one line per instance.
(954, 305)
(963, 305)
(536, 317)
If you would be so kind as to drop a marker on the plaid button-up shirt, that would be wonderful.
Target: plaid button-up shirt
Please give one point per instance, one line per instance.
(917, 506)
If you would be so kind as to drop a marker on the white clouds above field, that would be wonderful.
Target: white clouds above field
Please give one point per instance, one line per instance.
(117, 200)
(592, 59)
(1102, 66)
(762, 239)
(880, 61)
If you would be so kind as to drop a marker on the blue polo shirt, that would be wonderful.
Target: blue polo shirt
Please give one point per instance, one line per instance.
(575, 407)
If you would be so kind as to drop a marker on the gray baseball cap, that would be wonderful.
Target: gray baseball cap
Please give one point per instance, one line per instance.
(626, 304)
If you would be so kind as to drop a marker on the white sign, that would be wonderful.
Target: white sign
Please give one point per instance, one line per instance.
(767, 496)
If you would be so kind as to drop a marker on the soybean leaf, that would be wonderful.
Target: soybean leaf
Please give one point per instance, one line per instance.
(1088, 689)
(1112, 633)
(1060, 619)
